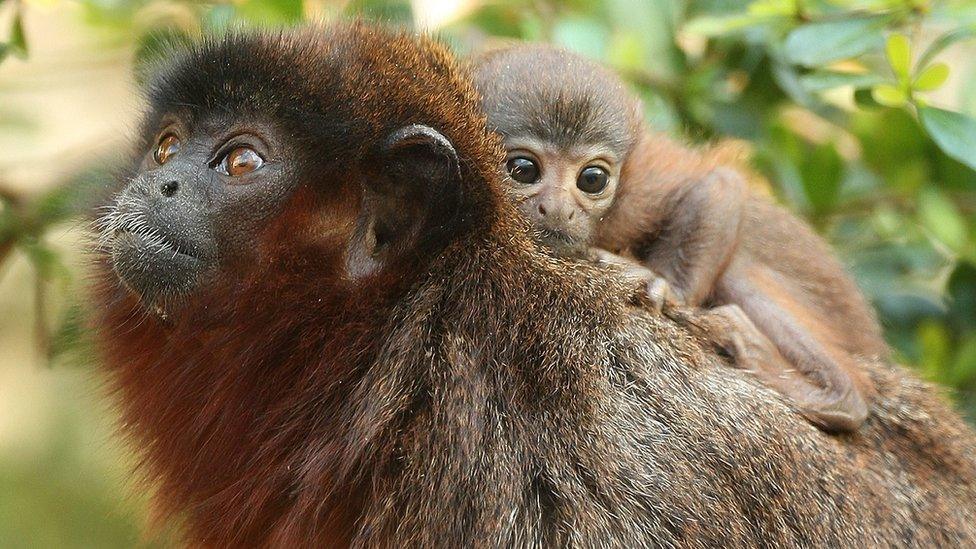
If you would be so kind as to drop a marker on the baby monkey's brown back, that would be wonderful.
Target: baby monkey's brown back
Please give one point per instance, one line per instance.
(596, 182)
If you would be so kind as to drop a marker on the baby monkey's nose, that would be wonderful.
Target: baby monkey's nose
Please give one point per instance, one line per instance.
(555, 210)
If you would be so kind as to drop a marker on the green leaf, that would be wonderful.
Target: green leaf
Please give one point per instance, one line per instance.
(944, 41)
(4, 50)
(820, 43)
(45, 260)
(71, 341)
(953, 132)
(778, 8)
(932, 77)
(582, 36)
(10, 225)
(271, 12)
(651, 25)
(864, 98)
(18, 41)
(934, 340)
(787, 77)
(899, 55)
(499, 20)
(889, 96)
(961, 292)
(822, 170)
(963, 369)
(626, 51)
(941, 217)
(712, 26)
(819, 81)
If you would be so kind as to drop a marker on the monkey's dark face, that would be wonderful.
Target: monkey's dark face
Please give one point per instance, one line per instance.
(564, 191)
(262, 165)
(197, 196)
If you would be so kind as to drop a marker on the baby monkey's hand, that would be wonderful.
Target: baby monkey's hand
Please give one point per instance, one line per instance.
(659, 291)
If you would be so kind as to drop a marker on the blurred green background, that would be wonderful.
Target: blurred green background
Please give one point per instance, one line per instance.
(859, 113)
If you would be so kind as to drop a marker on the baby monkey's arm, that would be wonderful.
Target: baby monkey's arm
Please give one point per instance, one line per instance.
(698, 236)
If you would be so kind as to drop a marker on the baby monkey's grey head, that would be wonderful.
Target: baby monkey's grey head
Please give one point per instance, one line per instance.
(568, 125)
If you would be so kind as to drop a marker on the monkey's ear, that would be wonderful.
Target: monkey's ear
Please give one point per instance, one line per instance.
(420, 154)
(411, 201)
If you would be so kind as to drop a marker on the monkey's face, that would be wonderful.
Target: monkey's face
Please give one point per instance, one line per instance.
(217, 203)
(262, 166)
(564, 191)
(198, 192)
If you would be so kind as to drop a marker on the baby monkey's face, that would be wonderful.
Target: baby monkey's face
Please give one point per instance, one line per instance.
(564, 191)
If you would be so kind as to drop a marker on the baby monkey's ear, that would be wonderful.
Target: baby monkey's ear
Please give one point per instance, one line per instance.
(410, 202)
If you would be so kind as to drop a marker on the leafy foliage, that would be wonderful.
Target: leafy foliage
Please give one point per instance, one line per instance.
(849, 107)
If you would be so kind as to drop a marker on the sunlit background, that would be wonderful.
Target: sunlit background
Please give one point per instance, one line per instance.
(856, 112)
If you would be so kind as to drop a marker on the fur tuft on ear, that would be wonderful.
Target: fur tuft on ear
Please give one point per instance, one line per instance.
(411, 200)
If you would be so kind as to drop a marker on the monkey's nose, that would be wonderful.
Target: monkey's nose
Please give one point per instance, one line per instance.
(169, 188)
(542, 209)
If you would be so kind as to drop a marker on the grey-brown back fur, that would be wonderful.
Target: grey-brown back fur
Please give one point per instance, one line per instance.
(604, 426)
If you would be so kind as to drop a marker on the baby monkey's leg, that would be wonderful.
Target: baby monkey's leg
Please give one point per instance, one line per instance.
(833, 405)
(787, 355)
(730, 329)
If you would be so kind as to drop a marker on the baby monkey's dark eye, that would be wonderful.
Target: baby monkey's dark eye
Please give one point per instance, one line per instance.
(592, 179)
(240, 161)
(522, 169)
(167, 147)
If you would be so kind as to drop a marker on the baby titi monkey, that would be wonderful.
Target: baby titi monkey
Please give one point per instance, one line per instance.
(597, 183)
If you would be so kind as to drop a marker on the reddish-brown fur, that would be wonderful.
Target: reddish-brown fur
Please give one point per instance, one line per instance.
(221, 403)
(217, 435)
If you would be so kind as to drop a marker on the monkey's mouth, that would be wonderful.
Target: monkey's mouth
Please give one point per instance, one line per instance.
(559, 241)
(154, 266)
(153, 239)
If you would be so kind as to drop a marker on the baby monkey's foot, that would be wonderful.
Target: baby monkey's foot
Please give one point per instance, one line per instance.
(733, 332)
(661, 294)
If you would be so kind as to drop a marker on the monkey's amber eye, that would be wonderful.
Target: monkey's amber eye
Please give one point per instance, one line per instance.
(167, 147)
(522, 169)
(240, 161)
(592, 180)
